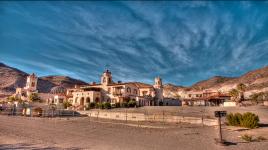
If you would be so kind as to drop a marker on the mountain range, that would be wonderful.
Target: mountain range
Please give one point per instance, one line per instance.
(11, 78)
(256, 80)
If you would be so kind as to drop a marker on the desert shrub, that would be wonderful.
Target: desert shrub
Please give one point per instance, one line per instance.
(91, 105)
(248, 120)
(67, 104)
(100, 105)
(34, 97)
(132, 103)
(247, 138)
(124, 104)
(117, 105)
(234, 119)
(107, 105)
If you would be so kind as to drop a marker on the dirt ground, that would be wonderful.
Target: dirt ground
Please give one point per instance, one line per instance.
(84, 133)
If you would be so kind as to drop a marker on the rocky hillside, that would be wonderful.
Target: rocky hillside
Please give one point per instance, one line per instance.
(256, 80)
(10, 78)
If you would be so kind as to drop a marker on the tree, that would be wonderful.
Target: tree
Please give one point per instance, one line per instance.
(258, 97)
(241, 88)
(235, 94)
(34, 97)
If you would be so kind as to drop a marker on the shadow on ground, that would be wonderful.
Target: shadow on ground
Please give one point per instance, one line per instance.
(32, 147)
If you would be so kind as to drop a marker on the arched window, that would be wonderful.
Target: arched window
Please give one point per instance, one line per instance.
(104, 80)
(109, 80)
(128, 90)
(135, 91)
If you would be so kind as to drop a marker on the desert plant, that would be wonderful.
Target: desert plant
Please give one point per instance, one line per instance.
(34, 97)
(132, 103)
(124, 104)
(67, 104)
(107, 105)
(247, 138)
(249, 120)
(234, 94)
(91, 105)
(100, 105)
(117, 105)
(234, 119)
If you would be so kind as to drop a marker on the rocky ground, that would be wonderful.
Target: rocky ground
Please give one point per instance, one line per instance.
(84, 133)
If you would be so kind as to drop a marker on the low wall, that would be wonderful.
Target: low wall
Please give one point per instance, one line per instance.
(149, 117)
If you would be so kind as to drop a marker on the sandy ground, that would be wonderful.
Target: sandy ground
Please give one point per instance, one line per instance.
(84, 133)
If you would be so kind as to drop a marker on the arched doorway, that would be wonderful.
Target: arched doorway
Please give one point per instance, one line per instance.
(97, 100)
(82, 101)
(88, 100)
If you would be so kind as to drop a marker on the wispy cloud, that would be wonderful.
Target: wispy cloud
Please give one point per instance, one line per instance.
(181, 41)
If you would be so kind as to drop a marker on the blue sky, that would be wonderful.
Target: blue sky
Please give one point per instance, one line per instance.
(183, 42)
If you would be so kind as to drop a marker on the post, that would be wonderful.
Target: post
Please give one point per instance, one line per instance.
(126, 115)
(220, 114)
(220, 133)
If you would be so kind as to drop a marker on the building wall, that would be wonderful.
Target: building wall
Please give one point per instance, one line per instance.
(85, 97)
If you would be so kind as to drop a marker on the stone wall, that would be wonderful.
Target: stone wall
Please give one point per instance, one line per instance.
(149, 117)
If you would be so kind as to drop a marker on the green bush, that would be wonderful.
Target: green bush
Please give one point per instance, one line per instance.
(91, 105)
(100, 105)
(131, 103)
(234, 119)
(67, 104)
(124, 104)
(117, 105)
(248, 120)
(107, 105)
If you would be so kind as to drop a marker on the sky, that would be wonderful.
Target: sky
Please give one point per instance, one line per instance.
(182, 42)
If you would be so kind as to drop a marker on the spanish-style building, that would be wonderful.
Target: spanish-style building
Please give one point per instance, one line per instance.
(31, 87)
(117, 92)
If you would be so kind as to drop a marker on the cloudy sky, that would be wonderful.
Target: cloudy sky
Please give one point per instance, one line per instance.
(183, 42)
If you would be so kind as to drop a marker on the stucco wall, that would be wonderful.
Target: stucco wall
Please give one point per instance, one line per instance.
(151, 118)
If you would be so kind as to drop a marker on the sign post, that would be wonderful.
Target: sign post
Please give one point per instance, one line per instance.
(220, 114)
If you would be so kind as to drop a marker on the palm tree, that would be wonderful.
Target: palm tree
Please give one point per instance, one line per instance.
(234, 94)
(241, 88)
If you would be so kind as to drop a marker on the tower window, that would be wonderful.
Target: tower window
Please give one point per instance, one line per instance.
(128, 90)
(104, 80)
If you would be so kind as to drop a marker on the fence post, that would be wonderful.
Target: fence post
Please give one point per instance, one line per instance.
(126, 115)
(163, 116)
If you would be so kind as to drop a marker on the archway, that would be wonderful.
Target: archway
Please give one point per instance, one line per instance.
(82, 101)
(87, 100)
(97, 100)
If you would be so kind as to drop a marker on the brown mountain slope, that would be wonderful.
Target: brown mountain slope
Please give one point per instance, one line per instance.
(10, 78)
(212, 82)
(255, 80)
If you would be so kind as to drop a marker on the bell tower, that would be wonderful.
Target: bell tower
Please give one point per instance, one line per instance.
(158, 87)
(158, 82)
(106, 77)
(31, 83)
